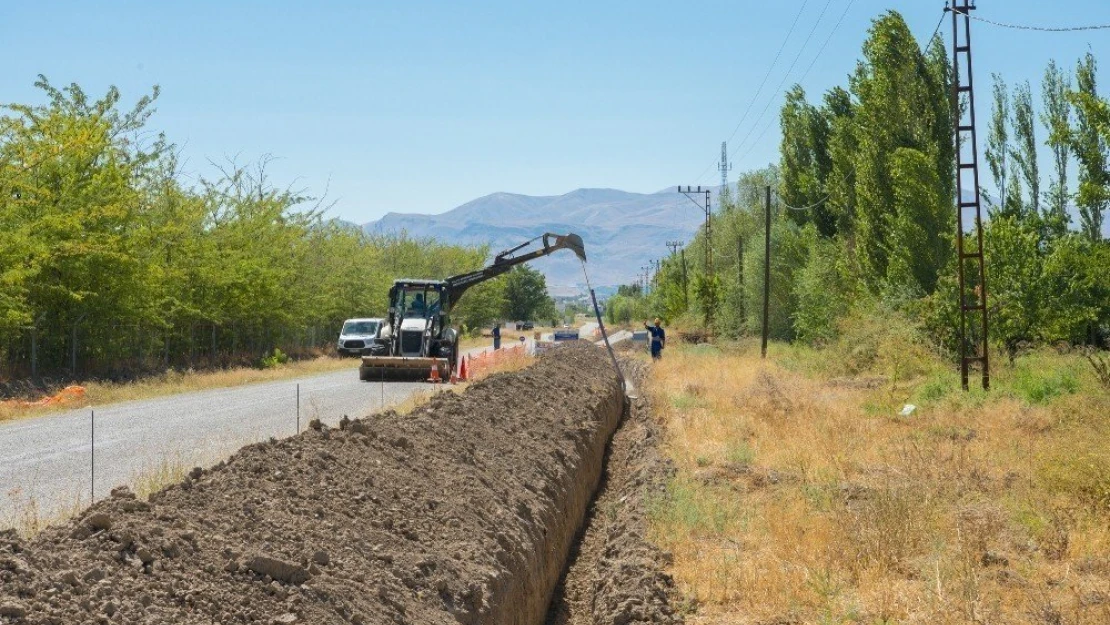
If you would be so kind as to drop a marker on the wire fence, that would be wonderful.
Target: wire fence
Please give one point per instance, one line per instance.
(47, 355)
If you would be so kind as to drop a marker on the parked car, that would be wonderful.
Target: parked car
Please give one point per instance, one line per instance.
(526, 325)
(358, 336)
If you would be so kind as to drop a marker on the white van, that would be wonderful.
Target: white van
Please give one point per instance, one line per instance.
(357, 336)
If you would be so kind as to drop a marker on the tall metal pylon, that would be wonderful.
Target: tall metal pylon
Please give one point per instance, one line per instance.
(724, 166)
(969, 241)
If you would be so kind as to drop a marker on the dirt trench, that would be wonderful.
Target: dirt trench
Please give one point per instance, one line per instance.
(615, 575)
(463, 511)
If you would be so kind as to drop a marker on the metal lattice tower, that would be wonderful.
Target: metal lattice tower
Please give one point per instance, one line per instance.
(724, 166)
(969, 219)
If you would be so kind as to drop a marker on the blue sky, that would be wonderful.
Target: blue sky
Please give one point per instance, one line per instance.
(421, 106)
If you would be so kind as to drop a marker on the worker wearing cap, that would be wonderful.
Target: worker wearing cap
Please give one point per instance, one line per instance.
(658, 338)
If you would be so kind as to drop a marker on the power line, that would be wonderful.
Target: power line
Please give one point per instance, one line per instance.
(821, 201)
(1044, 29)
(762, 84)
(786, 76)
(824, 45)
(828, 39)
(937, 29)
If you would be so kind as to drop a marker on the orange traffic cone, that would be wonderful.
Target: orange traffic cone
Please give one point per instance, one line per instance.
(463, 368)
(434, 375)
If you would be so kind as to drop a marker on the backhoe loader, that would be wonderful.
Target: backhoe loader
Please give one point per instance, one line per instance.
(417, 335)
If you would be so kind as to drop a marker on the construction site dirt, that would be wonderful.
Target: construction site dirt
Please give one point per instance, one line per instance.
(463, 511)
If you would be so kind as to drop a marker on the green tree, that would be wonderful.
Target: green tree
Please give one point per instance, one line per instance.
(805, 160)
(1057, 119)
(901, 105)
(525, 293)
(1016, 281)
(1025, 152)
(998, 138)
(1090, 142)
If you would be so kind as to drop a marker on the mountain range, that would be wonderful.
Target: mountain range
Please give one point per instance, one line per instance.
(622, 231)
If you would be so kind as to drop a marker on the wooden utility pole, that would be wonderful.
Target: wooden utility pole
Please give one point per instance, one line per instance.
(766, 273)
(685, 291)
(708, 223)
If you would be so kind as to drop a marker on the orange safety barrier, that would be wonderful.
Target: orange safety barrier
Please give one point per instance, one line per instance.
(483, 363)
(66, 395)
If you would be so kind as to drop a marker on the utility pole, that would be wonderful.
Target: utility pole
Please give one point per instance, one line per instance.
(970, 259)
(724, 166)
(674, 247)
(689, 192)
(740, 271)
(685, 291)
(766, 273)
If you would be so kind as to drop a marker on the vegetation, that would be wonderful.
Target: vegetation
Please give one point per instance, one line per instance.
(863, 216)
(847, 479)
(802, 495)
(113, 261)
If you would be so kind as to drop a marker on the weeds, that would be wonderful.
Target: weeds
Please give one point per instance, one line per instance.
(1101, 366)
(801, 499)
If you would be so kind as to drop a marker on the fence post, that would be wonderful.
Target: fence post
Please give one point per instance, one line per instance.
(73, 351)
(34, 352)
(92, 456)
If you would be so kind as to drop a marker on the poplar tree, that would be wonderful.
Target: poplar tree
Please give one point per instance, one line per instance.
(1057, 119)
(1089, 142)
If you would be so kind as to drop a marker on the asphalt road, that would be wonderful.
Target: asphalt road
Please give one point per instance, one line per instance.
(45, 461)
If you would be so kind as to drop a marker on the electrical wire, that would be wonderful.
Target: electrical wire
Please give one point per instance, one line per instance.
(785, 77)
(1044, 29)
(936, 30)
(821, 201)
(827, 40)
(820, 51)
(762, 84)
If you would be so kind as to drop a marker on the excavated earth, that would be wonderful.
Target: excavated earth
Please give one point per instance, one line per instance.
(463, 511)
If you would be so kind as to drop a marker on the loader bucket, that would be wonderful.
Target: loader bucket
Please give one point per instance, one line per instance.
(387, 368)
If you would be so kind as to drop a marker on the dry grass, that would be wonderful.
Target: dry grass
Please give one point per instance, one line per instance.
(173, 382)
(803, 498)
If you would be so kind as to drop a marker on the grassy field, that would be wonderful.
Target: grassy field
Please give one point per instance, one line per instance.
(804, 496)
(173, 382)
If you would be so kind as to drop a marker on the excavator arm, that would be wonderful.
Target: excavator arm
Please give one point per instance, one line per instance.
(455, 286)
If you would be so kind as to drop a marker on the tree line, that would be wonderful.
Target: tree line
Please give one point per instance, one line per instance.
(864, 213)
(114, 260)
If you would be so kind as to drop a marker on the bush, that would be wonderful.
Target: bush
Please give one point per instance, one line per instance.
(274, 360)
(1040, 385)
(874, 338)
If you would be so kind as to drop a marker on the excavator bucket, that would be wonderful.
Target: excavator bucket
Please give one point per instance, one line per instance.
(388, 368)
(572, 242)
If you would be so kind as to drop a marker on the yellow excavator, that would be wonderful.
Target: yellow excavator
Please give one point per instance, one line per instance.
(417, 334)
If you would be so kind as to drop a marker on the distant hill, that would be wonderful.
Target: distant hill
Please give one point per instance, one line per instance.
(621, 230)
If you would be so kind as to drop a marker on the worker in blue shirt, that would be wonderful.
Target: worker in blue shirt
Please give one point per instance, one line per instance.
(658, 338)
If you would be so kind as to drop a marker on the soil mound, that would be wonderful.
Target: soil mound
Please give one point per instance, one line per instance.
(461, 512)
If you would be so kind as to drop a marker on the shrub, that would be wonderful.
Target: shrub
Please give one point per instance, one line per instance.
(1040, 385)
(274, 360)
